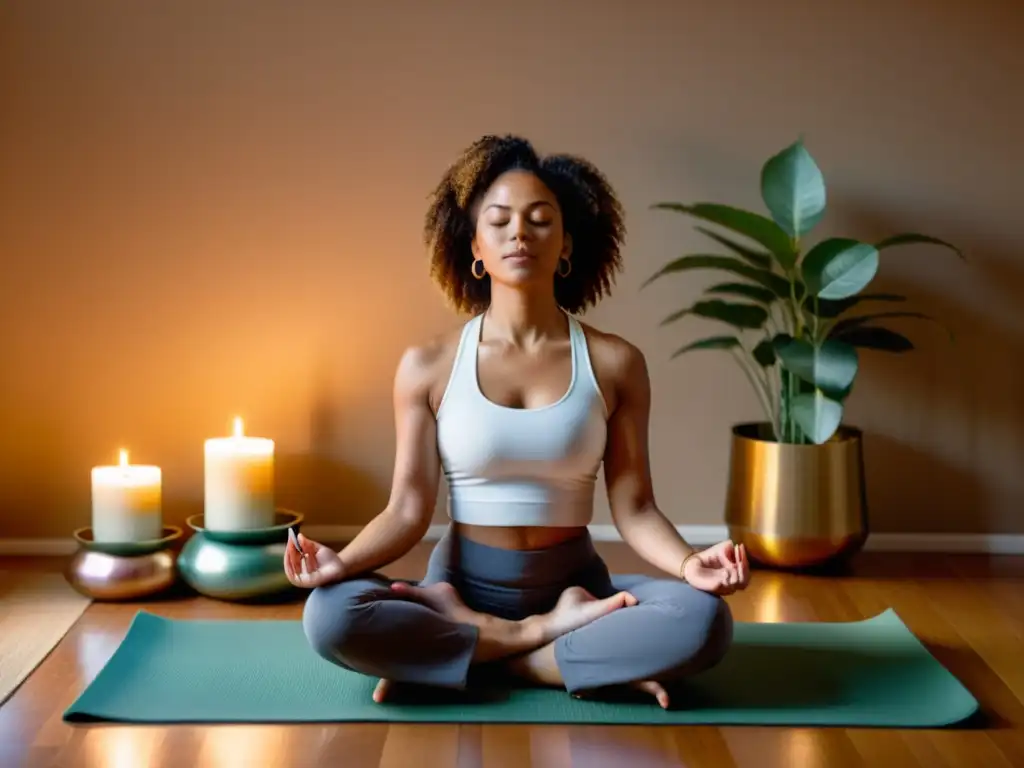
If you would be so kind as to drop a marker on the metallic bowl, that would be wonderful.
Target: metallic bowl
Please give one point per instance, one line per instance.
(103, 576)
(238, 565)
(283, 520)
(170, 534)
(797, 506)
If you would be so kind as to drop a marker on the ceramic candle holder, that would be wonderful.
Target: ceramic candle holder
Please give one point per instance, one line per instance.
(123, 570)
(239, 565)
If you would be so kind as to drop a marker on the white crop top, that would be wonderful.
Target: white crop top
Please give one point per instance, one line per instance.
(521, 466)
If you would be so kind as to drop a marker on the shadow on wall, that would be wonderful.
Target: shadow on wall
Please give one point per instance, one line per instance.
(944, 422)
(320, 485)
(913, 489)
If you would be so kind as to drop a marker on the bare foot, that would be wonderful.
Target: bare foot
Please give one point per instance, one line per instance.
(497, 637)
(381, 691)
(442, 597)
(576, 608)
(530, 639)
(655, 689)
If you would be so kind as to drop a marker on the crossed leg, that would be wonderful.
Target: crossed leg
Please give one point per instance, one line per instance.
(648, 632)
(427, 635)
(673, 631)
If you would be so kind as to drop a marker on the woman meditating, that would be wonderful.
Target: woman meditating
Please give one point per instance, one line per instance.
(520, 409)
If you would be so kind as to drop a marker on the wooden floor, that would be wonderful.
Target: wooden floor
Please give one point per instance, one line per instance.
(969, 610)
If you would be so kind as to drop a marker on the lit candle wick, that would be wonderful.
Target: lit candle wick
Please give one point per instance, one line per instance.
(126, 501)
(238, 480)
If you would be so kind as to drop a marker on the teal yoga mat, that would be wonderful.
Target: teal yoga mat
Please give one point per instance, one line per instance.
(865, 673)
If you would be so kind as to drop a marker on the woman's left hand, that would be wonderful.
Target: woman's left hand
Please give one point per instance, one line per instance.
(720, 570)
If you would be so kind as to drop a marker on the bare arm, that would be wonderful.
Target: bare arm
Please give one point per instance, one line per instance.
(405, 519)
(627, 468)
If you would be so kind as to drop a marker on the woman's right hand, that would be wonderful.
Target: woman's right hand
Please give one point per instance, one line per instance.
(720, 570)
(316, 566)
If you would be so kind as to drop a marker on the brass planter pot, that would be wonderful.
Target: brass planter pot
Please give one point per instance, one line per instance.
(797, 506)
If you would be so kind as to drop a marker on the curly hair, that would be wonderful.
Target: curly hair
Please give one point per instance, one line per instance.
(591, 215)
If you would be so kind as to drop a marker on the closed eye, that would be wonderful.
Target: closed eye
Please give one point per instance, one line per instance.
(505, 223)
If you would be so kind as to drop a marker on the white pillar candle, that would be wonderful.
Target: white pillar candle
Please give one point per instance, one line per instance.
(239, 482)
(126, 502)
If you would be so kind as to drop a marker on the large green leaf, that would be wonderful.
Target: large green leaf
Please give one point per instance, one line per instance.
(764, 353)
(913, 238)
(742, 316)
(776, 283)
(755, 258)
(752, 225)
(828, 309)
(711, 342)
(793, 188)
(746, 290)
(817, 415)
(831, 366)
(876, 337)
(841, 397)
(838, 268)
(854, 322)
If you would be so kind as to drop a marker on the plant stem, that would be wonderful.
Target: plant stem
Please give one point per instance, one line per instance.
(786, 383)
(786, 378)
(791, 314)
(790, 393)
(759, 389)
(771, 380)
(797, 306)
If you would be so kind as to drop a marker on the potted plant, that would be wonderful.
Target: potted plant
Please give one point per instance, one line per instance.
(795, 312)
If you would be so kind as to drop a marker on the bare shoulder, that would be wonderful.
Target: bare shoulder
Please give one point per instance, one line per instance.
(619, 364)
(424, 368)
(614, 354)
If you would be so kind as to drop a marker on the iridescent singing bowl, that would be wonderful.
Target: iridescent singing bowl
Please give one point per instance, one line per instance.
(123, 570)
(239, 565)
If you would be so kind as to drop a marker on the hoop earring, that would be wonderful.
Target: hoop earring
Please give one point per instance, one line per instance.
(568, 267)
(483, 271)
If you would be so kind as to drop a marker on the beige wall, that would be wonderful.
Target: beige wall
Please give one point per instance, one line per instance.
(214, 208)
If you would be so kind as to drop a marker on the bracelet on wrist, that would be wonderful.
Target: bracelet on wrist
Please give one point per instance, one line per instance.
(682, 566)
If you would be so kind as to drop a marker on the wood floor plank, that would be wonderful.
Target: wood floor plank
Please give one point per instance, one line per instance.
(628, 745)
(703, 745)
(969, 610)
(506, 745)
(920, 603)
(413, 742)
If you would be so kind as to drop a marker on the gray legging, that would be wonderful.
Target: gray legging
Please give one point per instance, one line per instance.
(674, 631)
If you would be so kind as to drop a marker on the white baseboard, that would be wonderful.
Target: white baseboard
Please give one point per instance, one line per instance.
(947, 543)
(699, 535)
